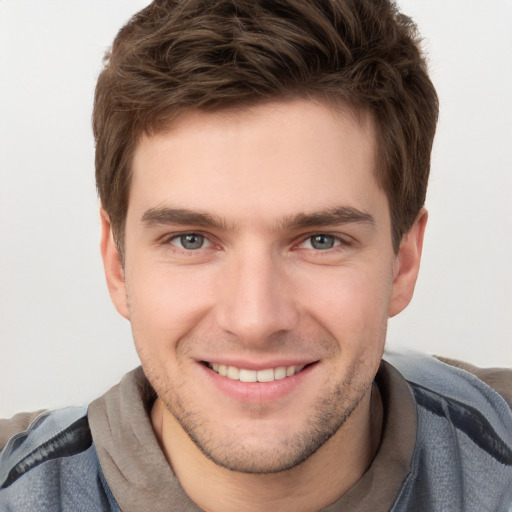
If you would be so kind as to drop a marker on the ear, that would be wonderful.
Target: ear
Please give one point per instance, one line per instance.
(407, 265)
(113, 267)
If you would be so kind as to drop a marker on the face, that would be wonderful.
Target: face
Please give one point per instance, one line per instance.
(259, 275)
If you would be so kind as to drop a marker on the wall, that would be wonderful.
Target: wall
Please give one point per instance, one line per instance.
(61, 341)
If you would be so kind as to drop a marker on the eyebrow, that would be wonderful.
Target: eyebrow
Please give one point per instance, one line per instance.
(328, 217)
(181, 216)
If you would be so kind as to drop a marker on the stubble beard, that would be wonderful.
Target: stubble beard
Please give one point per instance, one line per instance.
(231, 451)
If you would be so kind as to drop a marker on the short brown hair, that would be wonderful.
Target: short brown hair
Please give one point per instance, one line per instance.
(176, 55)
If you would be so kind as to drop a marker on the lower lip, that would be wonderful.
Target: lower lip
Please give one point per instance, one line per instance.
(257, 392)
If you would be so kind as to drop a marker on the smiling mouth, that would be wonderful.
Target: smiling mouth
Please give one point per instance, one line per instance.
(265, 375)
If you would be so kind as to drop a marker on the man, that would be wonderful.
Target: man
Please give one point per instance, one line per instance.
(262, 169)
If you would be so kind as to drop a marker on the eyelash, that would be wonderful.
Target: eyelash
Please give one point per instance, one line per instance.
(336, 239)
(169, 240)
(339, 242)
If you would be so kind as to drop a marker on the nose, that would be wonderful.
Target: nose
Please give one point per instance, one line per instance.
(256, 300)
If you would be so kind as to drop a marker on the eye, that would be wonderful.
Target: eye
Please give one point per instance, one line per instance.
(190, 241)
(322, 242)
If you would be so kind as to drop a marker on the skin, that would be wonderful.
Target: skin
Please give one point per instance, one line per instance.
(291, 263)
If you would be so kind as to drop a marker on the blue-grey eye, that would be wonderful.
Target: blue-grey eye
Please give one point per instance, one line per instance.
(191, 241)
(322, 242)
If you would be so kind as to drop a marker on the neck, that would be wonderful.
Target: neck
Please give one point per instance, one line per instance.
(312, 485)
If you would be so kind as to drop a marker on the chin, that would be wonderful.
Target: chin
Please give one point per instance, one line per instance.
(259, 446)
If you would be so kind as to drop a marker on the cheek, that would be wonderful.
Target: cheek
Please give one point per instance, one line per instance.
(351, 303)
(165, 305)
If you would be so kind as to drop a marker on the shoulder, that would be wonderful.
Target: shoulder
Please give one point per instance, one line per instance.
(18, 423)
(452, 392)
(463, 453)
(49, 435)
(52, 461)
(499, 379)
(486, 388)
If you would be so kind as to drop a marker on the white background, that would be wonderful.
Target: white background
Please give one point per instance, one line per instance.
(62, 342)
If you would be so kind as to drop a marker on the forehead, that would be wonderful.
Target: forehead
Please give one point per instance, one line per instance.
(279, 157)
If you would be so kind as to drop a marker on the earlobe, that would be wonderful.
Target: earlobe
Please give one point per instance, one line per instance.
(113, 267)
(408, 265)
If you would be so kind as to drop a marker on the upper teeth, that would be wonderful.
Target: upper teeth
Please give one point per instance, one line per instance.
(266, 375)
